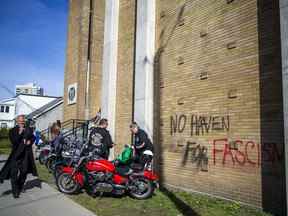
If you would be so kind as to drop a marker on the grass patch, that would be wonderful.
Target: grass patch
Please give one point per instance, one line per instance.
(44, 175)
(5, 146)
(5, 151)
(161, 204)
(106, 206)
(205, 205)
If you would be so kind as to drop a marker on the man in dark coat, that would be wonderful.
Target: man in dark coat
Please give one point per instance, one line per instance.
(143, 147)
(20, 161)
(100, 141)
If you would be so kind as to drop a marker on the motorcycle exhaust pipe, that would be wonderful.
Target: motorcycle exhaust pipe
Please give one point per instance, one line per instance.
(119, 187)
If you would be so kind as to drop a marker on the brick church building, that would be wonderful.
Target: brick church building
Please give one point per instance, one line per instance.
(202, 77)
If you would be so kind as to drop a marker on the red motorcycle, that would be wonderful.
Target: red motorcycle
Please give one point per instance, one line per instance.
(98, 176)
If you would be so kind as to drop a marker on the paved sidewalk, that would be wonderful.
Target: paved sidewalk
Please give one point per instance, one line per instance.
(39, 200)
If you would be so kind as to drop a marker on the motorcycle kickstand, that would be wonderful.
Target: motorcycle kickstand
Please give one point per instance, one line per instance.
(100, 195)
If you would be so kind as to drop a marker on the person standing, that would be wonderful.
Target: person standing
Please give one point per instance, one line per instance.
(20, 161)
(143, 147)
(58, 140)
(100, 140)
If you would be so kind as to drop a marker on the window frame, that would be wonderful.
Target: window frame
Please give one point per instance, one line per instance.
(3, 125)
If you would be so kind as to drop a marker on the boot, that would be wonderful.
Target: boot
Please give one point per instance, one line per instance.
(16, 195)
(21, 189)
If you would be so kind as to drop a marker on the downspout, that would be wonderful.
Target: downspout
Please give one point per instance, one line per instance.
(284, 50)
(87, 107)
(134, 65)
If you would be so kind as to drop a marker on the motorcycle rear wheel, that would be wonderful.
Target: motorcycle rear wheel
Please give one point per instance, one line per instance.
(66, 184)
(145, 189)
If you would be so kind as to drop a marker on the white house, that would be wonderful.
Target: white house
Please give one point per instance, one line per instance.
(20, 104)
(25, 103)
(7, 113)
(48, 114)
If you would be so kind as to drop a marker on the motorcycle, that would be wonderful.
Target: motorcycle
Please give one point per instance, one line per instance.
(68, 158)
(42, 153)
(64, 156)
(98, 176)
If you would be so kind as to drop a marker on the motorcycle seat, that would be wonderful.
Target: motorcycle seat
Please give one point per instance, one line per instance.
(124, 170)
(137, 167)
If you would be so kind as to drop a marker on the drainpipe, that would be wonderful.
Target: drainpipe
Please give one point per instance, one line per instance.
(87, 110)
(284, 47)
(134, 65)
(87, 91)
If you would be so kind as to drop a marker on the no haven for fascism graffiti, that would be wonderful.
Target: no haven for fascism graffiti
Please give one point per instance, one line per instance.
(198, 125)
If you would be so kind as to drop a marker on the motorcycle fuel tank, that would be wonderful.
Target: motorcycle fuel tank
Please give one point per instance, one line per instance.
(100, 165)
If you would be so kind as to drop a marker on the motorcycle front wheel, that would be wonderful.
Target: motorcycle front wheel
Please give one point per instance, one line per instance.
(57, 171)
(42, 159)
(50, 164)
(66, 184)
(141, 188)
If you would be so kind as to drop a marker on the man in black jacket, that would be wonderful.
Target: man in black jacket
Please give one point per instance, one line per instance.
(100, 140)
(143, 147)
(20, 161)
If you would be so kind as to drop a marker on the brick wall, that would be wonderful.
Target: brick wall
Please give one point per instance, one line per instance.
(77, 56)
(218, 98)
(211, 104)
(72, 54)
(77, 50)
(83, 58)
(96, 60)
(124, 98)
(210, 91)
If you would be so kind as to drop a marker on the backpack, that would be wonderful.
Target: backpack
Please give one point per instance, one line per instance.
(126, 156)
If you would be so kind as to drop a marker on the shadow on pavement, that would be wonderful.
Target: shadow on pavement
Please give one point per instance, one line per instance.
(5, 193)
(32, 184)
(28, 186)
(185, 209)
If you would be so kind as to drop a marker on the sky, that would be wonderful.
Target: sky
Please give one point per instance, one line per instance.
(32, 44)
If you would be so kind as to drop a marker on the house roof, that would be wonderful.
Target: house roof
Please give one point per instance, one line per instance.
(32, 95)
(42, 110)
(8, 100)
